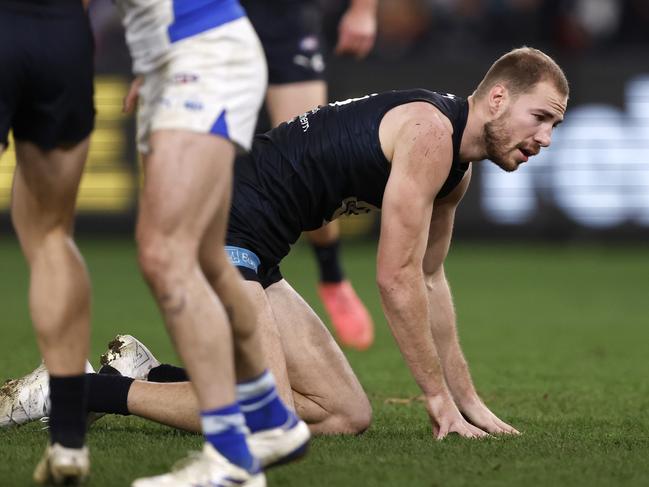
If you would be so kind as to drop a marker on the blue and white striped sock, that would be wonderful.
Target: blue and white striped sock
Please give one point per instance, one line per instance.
(225, 429)
(261, 405)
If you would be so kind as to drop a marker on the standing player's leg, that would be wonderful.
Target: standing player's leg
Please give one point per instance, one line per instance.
(349, 317)
(187, 176)
(46, 95)
(280, 434)
(43, 202)
(213, 93)
(251, 317)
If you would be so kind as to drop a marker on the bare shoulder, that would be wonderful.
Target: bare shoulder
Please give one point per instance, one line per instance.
(415, 124)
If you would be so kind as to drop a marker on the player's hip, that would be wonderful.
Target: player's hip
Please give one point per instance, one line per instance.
(209, 84)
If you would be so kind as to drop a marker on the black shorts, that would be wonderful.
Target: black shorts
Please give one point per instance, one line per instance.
(290, 32)
(46, 77)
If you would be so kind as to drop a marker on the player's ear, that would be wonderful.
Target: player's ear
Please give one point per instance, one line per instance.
(497, 99)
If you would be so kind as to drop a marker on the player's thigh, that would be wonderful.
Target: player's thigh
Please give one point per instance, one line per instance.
(45, 188)
(285, 101)
(187, 176)
(316, 365)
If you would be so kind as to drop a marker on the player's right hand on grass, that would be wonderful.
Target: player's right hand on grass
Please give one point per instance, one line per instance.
(446, 418)
(480, 415)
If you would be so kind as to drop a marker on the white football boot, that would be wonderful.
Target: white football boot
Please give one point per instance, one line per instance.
(28, 398)
(63, 466)
(280, 445)
(129, 357)
(205, 469)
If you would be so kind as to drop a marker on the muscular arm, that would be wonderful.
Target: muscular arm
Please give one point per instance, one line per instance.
(442, 313)
(420, 163)
(442, 318)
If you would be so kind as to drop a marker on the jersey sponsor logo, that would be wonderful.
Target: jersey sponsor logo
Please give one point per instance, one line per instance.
(193, 105)
(304, 119)
(352, 206)
(184, 78)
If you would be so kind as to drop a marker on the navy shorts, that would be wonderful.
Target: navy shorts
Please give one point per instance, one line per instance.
(290, 32)
(251, 266)
(46, 77)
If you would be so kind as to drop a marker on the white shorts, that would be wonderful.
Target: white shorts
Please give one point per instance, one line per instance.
(213, 82)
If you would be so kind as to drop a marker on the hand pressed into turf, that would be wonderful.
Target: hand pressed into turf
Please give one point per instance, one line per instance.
(446, 418)
(480, 415)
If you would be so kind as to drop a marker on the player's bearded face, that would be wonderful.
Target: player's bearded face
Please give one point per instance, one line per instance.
(499, 144)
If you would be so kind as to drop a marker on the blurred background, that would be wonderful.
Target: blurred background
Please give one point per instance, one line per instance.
(592, 183)
(549, 265)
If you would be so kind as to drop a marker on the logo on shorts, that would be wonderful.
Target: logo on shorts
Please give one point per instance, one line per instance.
(193, 105)
(315, 63)
(184, 78)
(309, 43)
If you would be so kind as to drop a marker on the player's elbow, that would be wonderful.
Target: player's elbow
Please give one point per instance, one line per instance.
(394, 284)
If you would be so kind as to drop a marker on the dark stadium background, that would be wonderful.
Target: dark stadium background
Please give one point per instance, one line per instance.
(592, 184)
(549, 267)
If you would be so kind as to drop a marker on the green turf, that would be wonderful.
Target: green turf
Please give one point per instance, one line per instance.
(556, 336)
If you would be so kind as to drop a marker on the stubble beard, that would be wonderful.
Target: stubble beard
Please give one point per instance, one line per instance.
(497, 138)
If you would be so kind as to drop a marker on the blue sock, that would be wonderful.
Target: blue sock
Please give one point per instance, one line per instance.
(261, 405)
(225, 429)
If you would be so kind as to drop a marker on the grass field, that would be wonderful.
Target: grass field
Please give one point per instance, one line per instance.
(557, 337)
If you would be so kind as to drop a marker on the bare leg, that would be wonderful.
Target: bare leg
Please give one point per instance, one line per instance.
(173, 404)
(327, 394)
(43, 202)
(289, 100)
(186, 183)
(241, 306)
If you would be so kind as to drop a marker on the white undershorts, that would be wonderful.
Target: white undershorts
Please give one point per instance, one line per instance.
(213, 82)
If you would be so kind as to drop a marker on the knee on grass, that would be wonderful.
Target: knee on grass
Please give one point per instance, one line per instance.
(354, 419)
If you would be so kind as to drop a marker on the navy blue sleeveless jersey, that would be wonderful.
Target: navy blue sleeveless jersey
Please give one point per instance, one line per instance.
(320, 165)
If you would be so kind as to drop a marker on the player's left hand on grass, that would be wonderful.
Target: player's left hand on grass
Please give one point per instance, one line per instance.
(481, 416)
(356, 32)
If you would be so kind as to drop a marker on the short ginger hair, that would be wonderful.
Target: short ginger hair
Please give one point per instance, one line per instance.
(520, 70)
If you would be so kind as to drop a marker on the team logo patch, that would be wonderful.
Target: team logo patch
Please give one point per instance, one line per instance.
(184, 78)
